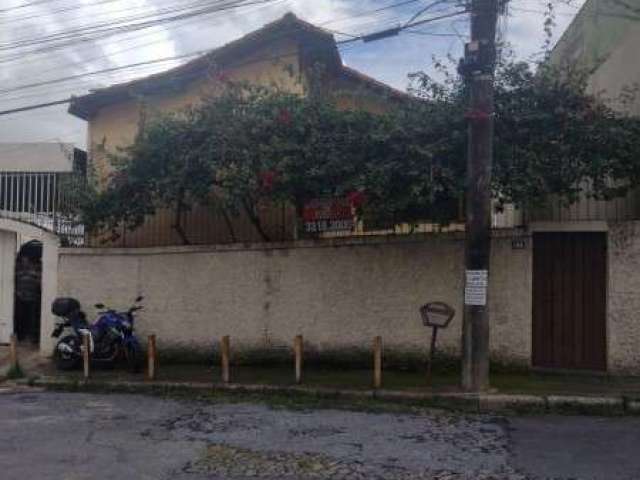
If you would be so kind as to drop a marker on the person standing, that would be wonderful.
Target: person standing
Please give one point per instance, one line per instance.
(28, 281)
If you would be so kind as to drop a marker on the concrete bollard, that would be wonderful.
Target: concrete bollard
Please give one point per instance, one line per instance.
(86, 359)
(13, 353)
(377, 362)
(298, 351)
(151, 357)
(225, 353)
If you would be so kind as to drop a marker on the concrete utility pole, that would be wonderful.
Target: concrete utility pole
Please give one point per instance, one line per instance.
(478, 68)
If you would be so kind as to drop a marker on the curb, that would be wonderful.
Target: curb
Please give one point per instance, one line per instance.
(471, 402)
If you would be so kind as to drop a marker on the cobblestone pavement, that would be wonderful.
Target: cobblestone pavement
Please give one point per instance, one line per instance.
(87, 436)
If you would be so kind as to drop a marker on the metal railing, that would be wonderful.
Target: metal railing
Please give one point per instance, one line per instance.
(43, 199)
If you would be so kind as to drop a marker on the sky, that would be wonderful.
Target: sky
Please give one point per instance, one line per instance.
(44, 40)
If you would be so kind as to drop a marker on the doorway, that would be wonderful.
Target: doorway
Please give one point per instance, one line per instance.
(28, 292)
(569, 300)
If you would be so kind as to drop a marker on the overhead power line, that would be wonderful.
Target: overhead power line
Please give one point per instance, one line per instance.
(26, 5)
(368, 37)
(126, 39)
(167, 15)
(117, 29)
(13, 19)
(390, 32)
(371, 12)
(36, 106)
(98, 72)
(423, 10)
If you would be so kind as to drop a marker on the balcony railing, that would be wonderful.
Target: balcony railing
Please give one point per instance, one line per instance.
(43, 199)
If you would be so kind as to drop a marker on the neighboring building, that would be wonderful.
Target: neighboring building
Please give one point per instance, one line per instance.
(603, 38)
(35, 184)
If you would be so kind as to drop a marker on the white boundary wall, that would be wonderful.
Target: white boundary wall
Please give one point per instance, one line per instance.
(338, 293)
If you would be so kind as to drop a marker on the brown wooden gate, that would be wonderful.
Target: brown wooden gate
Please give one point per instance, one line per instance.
(569, 300)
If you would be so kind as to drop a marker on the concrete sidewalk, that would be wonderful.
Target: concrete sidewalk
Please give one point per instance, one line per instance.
(29, 358)
(520, 393)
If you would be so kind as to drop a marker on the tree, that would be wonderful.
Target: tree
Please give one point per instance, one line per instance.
(251, 145)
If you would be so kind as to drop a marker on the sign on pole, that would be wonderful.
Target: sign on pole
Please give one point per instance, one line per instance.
(475, 288)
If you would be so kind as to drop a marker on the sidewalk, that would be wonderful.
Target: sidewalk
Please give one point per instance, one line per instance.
(521, 392)
(29, 356)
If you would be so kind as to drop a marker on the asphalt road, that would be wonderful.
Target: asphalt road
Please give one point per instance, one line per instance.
(73, 436)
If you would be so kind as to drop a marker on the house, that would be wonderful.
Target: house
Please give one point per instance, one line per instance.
(564, 287)
(281, 54)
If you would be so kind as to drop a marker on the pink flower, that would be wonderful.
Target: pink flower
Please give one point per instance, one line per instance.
(267, 179)
(356, 198)
(284, 117)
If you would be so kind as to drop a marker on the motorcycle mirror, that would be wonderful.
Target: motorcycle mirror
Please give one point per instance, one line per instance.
(139, 298)
(99, 306)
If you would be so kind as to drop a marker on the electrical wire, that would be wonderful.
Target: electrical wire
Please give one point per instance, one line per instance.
(420, 12)
(124, 67)
(74, 8)
(130, 47)
(143, 21)
(98, 72)
(26, 5)
(83, 40)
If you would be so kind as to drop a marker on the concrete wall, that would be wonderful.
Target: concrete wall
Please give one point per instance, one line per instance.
(337, 293)
(597, 29)
(624, 298)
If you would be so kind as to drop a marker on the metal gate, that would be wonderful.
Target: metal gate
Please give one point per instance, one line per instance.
(569, 300)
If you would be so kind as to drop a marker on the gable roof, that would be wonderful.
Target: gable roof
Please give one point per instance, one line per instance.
(317, 45)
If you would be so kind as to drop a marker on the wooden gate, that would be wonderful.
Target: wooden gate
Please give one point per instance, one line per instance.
(569, 300)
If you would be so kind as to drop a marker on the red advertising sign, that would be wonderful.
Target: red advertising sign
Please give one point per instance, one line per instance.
(328, 215)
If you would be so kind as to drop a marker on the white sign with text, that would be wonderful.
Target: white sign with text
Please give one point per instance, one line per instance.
(475, 287)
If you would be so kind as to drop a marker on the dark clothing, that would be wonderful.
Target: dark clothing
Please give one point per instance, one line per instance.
(27, 299)
(28, 282)
(27, 320)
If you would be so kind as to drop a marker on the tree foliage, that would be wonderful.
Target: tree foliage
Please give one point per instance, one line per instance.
(249, 145)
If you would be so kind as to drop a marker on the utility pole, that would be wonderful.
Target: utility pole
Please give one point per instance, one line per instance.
(478, 68)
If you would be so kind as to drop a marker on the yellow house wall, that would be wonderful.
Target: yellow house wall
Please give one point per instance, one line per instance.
(116, 125)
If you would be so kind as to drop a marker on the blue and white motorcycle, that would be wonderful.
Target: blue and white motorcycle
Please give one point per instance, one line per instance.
(111, 336)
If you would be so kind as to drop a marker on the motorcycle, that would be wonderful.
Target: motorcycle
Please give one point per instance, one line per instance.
(111, 336)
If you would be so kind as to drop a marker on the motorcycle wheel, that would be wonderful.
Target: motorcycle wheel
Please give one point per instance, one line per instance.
(134, 360)
(68, 360)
